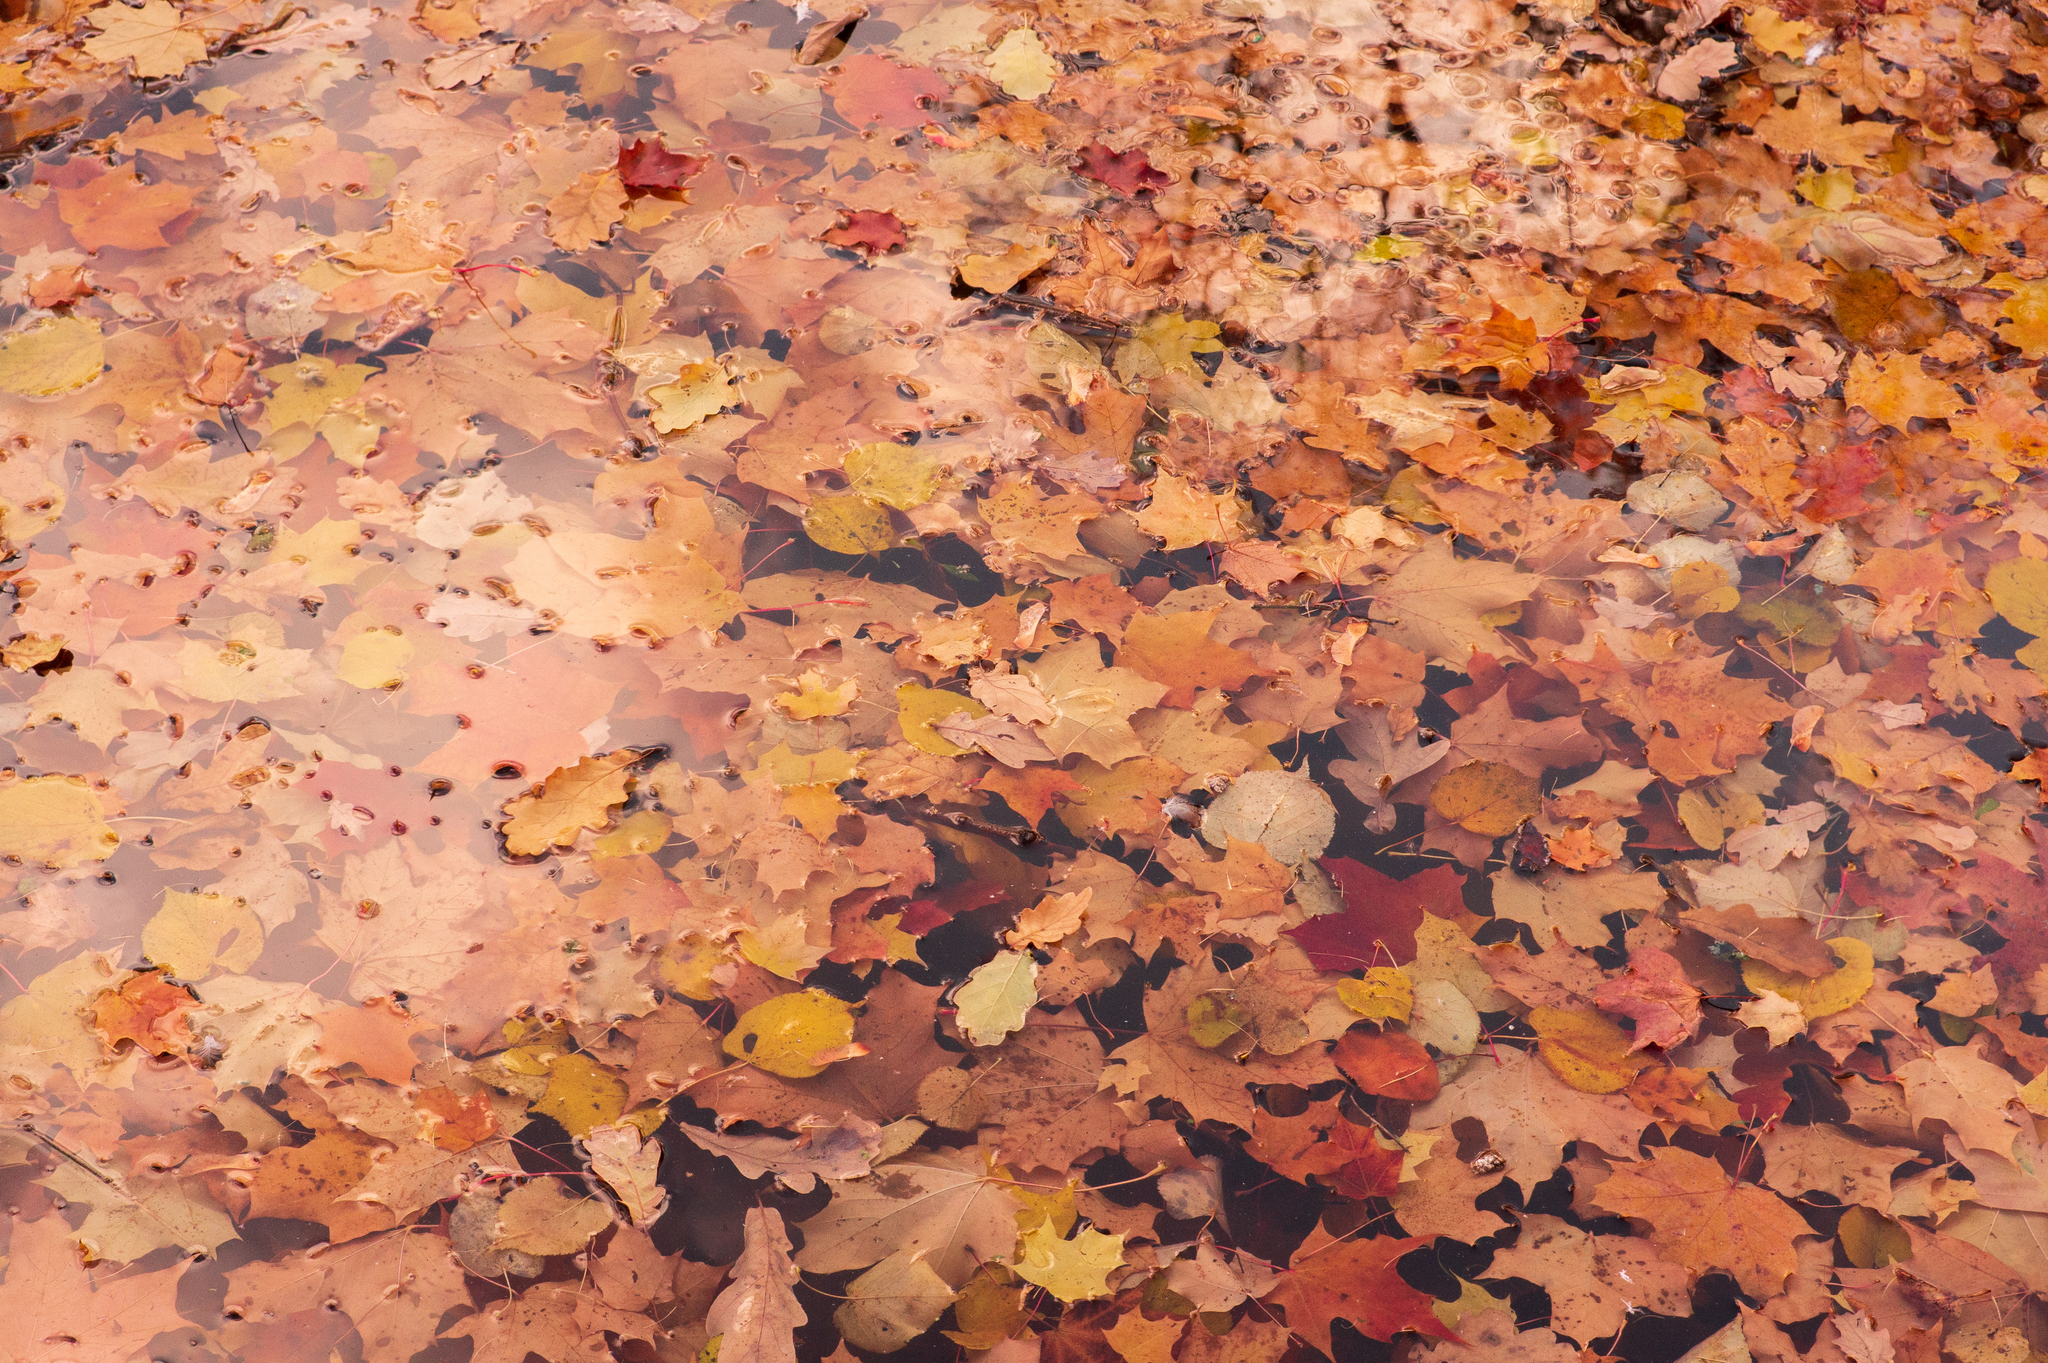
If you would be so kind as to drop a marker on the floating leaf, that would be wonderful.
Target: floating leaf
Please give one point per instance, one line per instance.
(849, 523)
(1491, 798)
(997, 996)
(1072, 1270)
(793, 1035)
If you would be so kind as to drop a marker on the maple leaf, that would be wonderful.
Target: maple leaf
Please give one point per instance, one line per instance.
(645, 164)
(947, 1204)
(1176, 650)
(375, 1036)
(1041, 1096)
(1127, 172)
(1438, 604)
(54, 821)
(1329, 1280)
(1091, 703)
(50, 356)
(1387, 1064)
(553, 1320)
(61, 1307)
(1170, 1061)
(1319, 1141)
(1656, 994)
(119, 210)
(1529, 1113)
(147, 1009)
(393, 1288)
(873, 233)
(1958, 1086)
(1702, 1219)
(1380, 915)
(155, 36)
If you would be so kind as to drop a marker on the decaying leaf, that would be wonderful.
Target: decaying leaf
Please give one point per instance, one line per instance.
(1137, 657)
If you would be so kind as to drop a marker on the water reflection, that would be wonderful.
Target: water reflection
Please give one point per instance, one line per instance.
(536, 529)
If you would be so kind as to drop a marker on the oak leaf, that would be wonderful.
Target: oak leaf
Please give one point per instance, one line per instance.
(584, 214)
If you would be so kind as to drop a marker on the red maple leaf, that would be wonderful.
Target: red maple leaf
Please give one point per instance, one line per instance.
(2012, 902)
(1748, 390)
(1655, 992)
(1380, 915)
(1356, 1280)
(646, 165)
(1839, 478)
(1126, 172)
(875, 233)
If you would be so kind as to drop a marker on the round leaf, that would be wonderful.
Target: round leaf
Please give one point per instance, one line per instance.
(918, 708)
(848, 523)
(1283, 810)
(789, 1033)
(903, 476)
(1585, 1049)
(1490, 798)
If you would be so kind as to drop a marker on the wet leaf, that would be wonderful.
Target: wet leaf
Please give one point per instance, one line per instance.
(997, 997)
(794, 1035)
(1492, 798)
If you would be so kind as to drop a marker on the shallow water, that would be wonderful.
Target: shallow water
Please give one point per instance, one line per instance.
(1401, 635)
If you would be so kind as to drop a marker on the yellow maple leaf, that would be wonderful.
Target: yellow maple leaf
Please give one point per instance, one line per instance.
(54, 821)
(307, 388)
(1185, 515)
(814, 699)
(1072, 1270)
(155, 37)
(191, 934)
(1176, 340)
(699, 391)
(1895, 389)
(2023, 319)
(569, 801)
